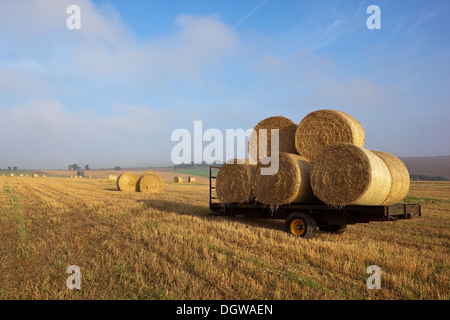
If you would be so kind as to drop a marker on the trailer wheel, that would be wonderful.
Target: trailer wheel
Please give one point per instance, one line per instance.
(301, 225)
(334, 228)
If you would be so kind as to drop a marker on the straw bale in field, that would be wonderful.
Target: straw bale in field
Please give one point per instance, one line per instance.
(191, 179)
(151, 182)
(177, 179)
(127, 182)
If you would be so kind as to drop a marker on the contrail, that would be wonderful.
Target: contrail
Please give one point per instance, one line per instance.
(250, 13)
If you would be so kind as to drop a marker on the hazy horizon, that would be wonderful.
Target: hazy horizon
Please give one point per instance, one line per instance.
(111, 93)
(167, 165)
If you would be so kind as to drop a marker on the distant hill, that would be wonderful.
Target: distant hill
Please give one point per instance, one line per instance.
(430, 166)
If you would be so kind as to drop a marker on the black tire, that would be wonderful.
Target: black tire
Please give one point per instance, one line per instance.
(334, 228)
(301, 225)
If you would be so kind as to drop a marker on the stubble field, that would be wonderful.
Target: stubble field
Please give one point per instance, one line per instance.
(165, 246)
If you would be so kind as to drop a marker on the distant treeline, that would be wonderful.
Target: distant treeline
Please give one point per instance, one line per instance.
(194, 165)
(427, 178)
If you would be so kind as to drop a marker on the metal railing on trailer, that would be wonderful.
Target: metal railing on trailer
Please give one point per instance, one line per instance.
(303, 218)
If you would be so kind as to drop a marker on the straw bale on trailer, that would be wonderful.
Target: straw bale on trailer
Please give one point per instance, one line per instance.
(286, 136)
(290, 184)
(234, 182)
(322, 128)
(345, 174)
(399, 177)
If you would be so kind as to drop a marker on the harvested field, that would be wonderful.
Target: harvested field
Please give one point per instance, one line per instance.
(165, 246)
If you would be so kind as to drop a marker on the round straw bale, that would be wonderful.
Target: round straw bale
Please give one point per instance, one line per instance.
(191, 179)
(178, 179)
(11, 174)
(345, 174)
(290, 184)
(43, 176)
(35, 175)
(112, 177)
(399, 176)
(150, 183)
(286, 135)
(234, 182)
(21, 175)
(322, 128)
(145, 172)
(127, 182)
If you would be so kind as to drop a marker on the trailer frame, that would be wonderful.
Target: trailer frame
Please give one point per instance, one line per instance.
(323, 216)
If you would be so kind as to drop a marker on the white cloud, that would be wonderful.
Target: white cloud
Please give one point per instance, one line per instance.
(37, 39)
(45, 127)
(47, 72)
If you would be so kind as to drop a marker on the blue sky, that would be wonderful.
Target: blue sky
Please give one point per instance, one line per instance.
(113, 92)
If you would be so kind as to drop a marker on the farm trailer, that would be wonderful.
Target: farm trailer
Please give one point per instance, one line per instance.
(302, 219)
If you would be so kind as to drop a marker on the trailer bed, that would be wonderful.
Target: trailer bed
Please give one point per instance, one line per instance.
(321, 212)
(322, 215)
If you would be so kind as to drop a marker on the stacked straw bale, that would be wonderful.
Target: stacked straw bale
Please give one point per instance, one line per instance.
(234, 182)
(323, 158)
(259, 141)
(322, 128)
(290, 184)
(345, 174)
(400, 179)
